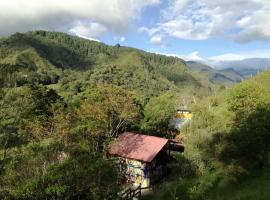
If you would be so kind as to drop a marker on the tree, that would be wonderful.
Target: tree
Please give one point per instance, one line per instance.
(36, 172)
(248, 141)
(26, 114)
(245, 98)
(39, 104)
(82, 176)
(158, 113)
(100, 114)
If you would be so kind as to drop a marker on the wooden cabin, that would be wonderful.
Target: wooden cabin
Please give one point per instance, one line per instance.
(142, 158)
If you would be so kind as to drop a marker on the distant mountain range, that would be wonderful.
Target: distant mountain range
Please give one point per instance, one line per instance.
(228, 72)
(245, 67)
(222, 76)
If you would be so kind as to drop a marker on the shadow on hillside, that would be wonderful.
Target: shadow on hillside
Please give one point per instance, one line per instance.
(248, 142)
(59, 55)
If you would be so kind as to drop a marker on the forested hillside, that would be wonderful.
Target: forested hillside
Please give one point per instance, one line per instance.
(64, 99)
(227, 146)
(74, 63)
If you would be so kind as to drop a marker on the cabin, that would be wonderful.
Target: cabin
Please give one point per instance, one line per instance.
(142, 159)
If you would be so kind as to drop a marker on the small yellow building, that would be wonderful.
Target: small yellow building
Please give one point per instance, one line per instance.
(181, 117)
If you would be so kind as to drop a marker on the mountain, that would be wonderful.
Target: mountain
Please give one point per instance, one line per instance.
(246, 67)
(70, 64)
(232, 74)
(225, 76)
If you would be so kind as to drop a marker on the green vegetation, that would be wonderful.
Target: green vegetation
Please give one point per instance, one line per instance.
(49, 147)
(72, 64)
(227, 146)
(63, 99)
(158, 113)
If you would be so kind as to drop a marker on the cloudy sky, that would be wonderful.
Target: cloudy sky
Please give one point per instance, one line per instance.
(191, 29)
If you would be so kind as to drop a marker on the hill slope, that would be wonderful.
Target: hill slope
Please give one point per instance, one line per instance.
(218, 163)
(61, 59)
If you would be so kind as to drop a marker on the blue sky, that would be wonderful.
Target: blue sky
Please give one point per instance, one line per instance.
(190, 29)
(206, 48)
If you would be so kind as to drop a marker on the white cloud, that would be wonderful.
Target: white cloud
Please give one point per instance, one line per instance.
(156, 40)
(260, 53)
(89, 30)
(193, 56)
(227, 57)
(173, 8)
(240, 20)
(149, 31)
(259, 58)
(88, 17)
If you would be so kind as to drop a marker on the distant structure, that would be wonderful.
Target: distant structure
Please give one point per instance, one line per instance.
(182, 116)
(142, 159)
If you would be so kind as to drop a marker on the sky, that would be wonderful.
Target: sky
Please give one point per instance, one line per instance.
(200, 30)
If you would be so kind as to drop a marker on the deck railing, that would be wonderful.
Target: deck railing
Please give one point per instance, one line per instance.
(130, 193)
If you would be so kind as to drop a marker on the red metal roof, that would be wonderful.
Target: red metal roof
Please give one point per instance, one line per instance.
(137, 146)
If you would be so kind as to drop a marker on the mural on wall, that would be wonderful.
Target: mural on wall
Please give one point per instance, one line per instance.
(137, 173)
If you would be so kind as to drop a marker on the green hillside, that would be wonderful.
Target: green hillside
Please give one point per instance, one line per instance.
(69, 61)
(64, 99)
(226, 76)
(226, 147)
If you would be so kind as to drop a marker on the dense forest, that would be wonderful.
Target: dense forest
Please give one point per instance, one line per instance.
(227, 146)
(64, 99)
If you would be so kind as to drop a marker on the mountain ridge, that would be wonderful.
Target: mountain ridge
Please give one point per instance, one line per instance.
(58, 58)
(226, 76)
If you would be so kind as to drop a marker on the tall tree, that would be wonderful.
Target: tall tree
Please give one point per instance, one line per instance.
(158, 113)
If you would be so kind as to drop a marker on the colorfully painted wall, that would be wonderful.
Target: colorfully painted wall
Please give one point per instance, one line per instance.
(137, 173)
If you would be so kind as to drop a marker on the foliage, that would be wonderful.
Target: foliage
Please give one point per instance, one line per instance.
(26, 114)
(246, 97)
(226, 145)
(248, 141)
(158, 113)
(63, 99)
(103, 113)
(37, 173)
(82, 176)
(56, 58)
(52, 148)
